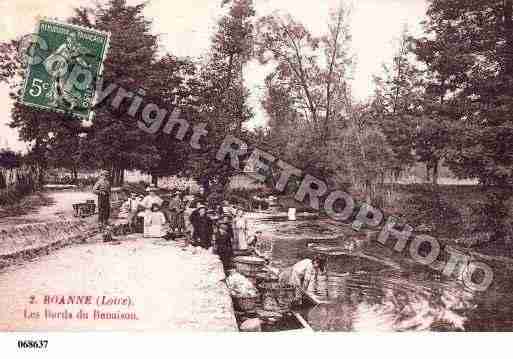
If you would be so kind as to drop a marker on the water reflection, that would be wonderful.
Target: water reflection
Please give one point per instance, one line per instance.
(387, 300)
(367, 291)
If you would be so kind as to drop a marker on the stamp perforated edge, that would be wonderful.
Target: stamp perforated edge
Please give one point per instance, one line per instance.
(99, 72)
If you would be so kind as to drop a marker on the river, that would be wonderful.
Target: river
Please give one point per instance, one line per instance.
(373, 289)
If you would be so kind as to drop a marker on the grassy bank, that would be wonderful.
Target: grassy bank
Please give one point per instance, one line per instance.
(25, 205)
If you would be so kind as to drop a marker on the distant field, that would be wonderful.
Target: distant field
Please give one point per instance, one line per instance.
(441, 181)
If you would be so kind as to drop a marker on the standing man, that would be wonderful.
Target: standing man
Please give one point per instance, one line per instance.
(102, 189)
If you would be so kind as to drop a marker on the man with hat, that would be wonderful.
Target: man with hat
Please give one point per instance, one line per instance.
(102, 189)
(176, 208)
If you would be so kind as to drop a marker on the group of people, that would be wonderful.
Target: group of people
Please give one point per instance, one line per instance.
(223, 228)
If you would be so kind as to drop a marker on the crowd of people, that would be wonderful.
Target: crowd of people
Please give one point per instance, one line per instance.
(222, 228)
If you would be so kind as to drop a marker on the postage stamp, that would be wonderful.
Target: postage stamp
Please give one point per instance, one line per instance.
(63, 69)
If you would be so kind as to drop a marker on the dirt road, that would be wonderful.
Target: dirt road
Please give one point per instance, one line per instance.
(140, 284)
(60, 207)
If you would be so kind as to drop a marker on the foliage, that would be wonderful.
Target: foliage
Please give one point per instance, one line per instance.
(245, 197)
(397, 103)
(468, 51)
(314, 123)
(10, 159)
(220, 92)
(16, 183)
(428, 207)
(307, 92)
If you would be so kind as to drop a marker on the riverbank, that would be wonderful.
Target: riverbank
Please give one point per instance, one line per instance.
(137, 284)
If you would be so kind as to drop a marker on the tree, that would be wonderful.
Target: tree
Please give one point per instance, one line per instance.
(307, 91)
(7, 62)
(118, 142)
(174, 80)
(220, 91)
(10, 159)
(397, 104)
(113, 140)
(469, 48)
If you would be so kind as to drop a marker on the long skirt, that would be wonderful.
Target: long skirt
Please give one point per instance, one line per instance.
(240, 241)
(225, 254)
(173, 219)
(180, 222)
(103, 208)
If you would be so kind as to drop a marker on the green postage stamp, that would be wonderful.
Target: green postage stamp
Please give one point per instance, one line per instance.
(62, 69)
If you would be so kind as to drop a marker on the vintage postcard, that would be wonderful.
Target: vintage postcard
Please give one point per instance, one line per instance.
(256, 166)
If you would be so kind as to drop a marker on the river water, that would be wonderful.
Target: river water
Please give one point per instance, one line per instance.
(368, 288)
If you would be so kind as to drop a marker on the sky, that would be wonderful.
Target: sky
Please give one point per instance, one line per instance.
(185, 28)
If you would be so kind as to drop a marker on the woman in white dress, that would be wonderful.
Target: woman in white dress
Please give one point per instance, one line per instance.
(240, 231)
(151, 198)
(155, 223)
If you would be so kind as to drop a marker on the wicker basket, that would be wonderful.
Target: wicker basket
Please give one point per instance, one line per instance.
(245, 304)
(84, 209)
(249, 265)
(274, 293)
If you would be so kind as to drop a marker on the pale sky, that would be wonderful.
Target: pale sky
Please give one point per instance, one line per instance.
(185, 28)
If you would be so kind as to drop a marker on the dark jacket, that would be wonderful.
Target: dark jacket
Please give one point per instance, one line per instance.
(224, 244)
(203, 229)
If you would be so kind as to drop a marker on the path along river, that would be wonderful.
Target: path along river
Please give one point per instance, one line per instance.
(375, 289)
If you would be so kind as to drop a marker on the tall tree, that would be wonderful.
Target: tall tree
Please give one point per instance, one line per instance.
(119, 143)
(308, 84)
(222, 96)
(113, 139)
(397, 103)
(174, 80)
(469, 45)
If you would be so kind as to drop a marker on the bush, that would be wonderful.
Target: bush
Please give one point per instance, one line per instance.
(243, 197)
(429, 207)
(12, 195)
(23, 184)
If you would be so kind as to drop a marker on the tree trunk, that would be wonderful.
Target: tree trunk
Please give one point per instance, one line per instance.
(154, 179)
(508, 33)
(435, 171)
(41, 164)
(117, 176)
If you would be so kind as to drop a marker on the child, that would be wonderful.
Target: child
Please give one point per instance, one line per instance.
(223, 244)
(122, 224)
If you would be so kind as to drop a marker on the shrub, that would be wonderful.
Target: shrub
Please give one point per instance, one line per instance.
(244, 197)
(428, 207)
